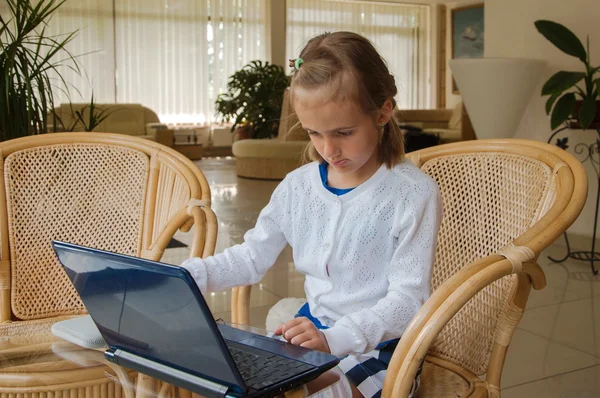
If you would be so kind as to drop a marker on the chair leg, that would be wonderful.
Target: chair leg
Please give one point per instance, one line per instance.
(240, 305)
(146, 386)
(506, 327)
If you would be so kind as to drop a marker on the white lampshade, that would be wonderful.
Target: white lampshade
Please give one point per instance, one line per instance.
(496, 92)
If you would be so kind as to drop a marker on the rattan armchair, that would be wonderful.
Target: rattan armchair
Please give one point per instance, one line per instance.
(504, 202)
(115, 192)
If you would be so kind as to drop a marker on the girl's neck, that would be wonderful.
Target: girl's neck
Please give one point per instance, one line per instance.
(352, 180)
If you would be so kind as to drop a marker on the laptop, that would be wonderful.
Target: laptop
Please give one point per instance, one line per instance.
(155, 320)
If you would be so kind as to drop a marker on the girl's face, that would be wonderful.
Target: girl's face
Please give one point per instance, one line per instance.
(344, 136)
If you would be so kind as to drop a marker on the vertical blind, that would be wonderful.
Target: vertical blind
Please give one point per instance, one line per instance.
(176, 56)
(173, 56)
(400, 32)
(92, 46)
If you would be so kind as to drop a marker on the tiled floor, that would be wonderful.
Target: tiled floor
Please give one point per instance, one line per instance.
(555, 351)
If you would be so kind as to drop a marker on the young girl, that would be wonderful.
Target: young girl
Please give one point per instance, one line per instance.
(361, 221)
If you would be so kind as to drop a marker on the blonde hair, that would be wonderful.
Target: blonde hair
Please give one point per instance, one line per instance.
(362, 76)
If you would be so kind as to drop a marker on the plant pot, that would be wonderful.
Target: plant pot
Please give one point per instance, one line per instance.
(243, 132)
(574, 124)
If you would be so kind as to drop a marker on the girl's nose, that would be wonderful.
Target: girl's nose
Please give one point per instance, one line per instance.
(330, 149)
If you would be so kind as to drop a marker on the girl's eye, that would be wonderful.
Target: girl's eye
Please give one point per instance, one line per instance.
(313, 133)
(344, 133)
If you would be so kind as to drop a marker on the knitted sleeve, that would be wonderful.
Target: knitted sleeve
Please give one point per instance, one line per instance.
(246, 263)
(408, 274)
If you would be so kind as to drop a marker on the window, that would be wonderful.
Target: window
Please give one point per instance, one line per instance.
(173, 56)
(400, 32)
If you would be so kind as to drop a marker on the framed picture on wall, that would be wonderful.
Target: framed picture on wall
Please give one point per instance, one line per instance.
(466, 27)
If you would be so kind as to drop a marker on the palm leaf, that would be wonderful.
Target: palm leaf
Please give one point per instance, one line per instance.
(562, 81)
(562, 110)
(562, 38)
(28, 55)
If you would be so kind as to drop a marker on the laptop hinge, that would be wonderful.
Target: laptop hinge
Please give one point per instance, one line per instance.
(168, 374)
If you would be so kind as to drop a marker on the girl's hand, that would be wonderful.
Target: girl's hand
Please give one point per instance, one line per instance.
(301, 331)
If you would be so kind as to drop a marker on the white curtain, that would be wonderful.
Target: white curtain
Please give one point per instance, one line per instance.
(239, 33)
(92, 46)
(161, 52)
(400, 32)
(173, 56)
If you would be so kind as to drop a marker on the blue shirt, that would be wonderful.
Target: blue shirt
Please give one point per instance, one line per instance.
(335, 191)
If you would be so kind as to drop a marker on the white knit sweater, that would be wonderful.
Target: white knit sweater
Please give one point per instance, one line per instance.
(377, 243)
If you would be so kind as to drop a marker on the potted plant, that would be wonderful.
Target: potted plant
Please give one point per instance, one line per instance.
(253, 99)
(27, 57)
(573, 95)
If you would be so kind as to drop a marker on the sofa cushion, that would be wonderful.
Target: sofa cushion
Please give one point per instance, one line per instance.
(122, 118)
(456, 118)
(273, 149)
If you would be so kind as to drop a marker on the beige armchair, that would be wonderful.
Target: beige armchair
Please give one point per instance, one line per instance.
(451, 125)
(130, 119)
(274, 158)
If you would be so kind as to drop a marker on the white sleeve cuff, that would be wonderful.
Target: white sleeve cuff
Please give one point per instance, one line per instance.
(343, 341)
(197, 268)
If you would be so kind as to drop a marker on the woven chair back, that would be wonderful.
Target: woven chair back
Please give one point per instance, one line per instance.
(95, 191)
(490, 198)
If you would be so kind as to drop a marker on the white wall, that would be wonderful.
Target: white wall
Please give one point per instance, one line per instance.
(510, 32)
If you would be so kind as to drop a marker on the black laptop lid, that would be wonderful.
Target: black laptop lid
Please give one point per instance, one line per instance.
(149, 309)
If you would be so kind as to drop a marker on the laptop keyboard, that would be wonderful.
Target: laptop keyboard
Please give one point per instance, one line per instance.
(261, 370)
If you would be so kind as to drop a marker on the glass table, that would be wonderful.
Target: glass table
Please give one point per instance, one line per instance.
(36, 364)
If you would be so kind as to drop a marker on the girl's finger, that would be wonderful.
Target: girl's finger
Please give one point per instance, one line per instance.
(302, 338)
(289, 334)
(312, 344)
(292, 323)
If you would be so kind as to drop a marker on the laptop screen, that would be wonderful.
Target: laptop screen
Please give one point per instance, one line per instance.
(149, 309)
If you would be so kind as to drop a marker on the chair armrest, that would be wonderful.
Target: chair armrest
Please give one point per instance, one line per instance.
(198, 212)
(441, 307)
(206, 224)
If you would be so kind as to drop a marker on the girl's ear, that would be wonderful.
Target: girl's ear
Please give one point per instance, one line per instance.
(387, 111)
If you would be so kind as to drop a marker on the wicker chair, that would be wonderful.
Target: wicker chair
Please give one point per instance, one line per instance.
(504, 202)
(115, 192)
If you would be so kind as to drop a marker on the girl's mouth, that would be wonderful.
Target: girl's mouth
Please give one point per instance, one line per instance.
(340, 163)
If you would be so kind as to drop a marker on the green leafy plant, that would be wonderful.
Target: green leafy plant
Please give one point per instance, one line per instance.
(254, 96)
(564, 87)
(27, 58)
